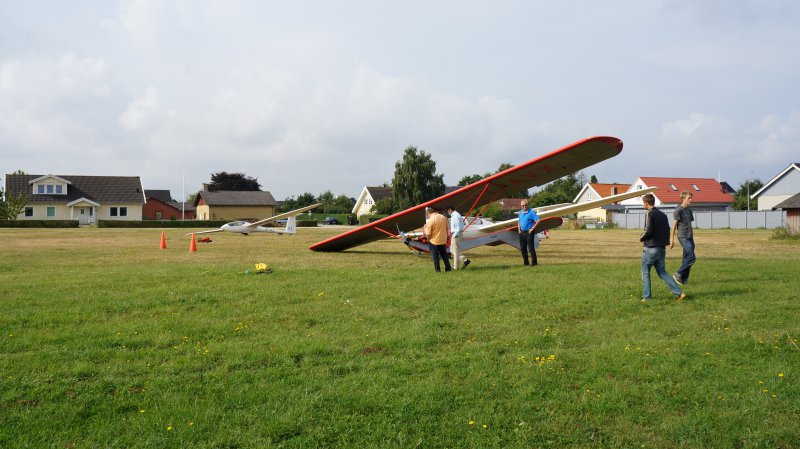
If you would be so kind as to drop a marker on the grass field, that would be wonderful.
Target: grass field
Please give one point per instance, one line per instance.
(108, 341)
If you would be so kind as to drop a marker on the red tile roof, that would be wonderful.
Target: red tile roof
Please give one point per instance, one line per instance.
(709, 190)
(605, 190)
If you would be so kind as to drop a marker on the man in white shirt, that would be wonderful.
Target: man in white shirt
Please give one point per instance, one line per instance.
(456, 233)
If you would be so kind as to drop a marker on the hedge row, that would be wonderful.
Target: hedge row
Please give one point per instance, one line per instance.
(160, 224)
(39, 223)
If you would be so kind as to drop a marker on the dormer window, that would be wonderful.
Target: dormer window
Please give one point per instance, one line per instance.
(50, 189)
(672, 186)
(694, 186)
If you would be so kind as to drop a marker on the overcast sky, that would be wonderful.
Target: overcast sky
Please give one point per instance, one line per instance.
(309, 96)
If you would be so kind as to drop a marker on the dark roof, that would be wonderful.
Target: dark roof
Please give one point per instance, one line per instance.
(793, 202)
(100, 189)
(727, 187)
(187, 207)
(237, 198)
(162, 195)
(379, 193)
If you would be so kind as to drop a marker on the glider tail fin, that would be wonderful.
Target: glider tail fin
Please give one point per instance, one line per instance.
(291, 225)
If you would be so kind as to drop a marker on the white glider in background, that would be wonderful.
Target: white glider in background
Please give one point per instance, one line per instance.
(244, 227)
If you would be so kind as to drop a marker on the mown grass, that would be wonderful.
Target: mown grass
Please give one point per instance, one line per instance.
(107, 341)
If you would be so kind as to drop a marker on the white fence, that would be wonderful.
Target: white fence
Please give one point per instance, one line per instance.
(768, 219)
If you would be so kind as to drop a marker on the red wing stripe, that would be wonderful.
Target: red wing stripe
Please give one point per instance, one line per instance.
(387, 232)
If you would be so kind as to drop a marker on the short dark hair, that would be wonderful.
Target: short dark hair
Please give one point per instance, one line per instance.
(649, 199)
(450, 207)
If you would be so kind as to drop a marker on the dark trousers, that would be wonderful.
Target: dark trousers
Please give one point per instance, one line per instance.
(688, 258)
(438, 251)
(526, 243)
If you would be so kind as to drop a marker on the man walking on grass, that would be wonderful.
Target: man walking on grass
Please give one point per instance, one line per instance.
(654, 240)
(683, 218)
(456, 233)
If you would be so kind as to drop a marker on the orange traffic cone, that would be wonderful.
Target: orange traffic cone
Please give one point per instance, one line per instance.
(163, 241)
(193, 244)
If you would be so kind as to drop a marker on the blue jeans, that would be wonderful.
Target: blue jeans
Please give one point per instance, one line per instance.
(656, 257)
(438, 251)
(688, 258)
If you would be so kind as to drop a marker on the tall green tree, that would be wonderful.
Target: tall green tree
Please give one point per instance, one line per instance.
(593, 180)
(746, 189)
(233, 181)
(562, 190)
(415, 180)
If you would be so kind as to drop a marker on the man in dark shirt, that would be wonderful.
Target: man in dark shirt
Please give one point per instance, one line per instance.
(654, 240)
(682, 223)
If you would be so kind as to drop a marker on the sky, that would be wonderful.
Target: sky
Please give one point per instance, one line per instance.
(311, 96)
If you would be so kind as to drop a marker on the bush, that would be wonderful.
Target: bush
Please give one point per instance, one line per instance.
(160, 224)
(306, 223)
(781, 233)
(364, 219)
(39, 223)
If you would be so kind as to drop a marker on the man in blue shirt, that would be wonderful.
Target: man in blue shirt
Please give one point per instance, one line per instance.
(527, 220)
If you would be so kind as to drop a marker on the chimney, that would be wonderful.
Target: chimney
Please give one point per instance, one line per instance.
(205, 187)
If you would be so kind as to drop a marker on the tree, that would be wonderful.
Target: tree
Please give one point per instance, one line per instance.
(746, 189)
(562, 190)
(383, 206)
(306, 199)
(233, 181)
(415, 180)
(593, 180)
(469, 179)
(12, 204)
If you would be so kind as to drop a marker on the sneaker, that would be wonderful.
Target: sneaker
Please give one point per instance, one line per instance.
(681, 297)
(466, 262)
(677, 278)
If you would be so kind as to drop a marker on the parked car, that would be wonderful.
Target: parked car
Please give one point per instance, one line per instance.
(330, 221)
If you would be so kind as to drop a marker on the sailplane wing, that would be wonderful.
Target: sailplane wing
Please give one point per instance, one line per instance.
(291, 213)
(536, 172)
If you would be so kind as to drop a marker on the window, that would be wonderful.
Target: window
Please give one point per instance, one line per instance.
(29, 211)
(51, 211)
(158, 215)
(694, 186)
(59, 189)
(672, 186)
(613, 190)
(40, 188)
(119, 212)
(50, 188)
(368, 201)
(589, 196)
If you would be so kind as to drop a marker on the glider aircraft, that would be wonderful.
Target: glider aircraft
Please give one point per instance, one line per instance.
(536, 172)
(479, 231)
(245, 228)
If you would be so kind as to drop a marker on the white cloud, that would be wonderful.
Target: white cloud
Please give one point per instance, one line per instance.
(142, 112)
(779, 139)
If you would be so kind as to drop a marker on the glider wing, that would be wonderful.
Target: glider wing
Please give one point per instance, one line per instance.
(536, 172)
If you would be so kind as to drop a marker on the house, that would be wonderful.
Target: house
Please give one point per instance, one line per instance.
(792, 207)
(779, 188)
(707, 193)
(83, 198)
(234, 205)
(596, 191)
(159, 205)
(370, 195)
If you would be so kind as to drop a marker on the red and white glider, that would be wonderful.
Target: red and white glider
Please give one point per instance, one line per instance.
(536, 172)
